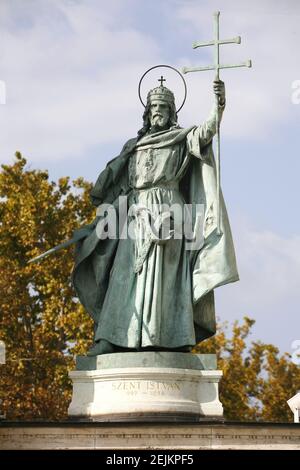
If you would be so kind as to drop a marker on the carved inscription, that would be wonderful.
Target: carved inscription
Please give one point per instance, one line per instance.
(135, 386)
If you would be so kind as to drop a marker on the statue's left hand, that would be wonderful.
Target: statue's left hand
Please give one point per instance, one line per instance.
(219, 90)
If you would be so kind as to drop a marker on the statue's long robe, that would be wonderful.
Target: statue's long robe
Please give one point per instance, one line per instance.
(169, 301)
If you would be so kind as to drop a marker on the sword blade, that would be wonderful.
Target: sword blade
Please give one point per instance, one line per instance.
(61, 246)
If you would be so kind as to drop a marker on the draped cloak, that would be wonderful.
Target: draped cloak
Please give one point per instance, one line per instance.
(210, 266)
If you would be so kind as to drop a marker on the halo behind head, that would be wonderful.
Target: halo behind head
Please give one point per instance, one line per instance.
(162, 93)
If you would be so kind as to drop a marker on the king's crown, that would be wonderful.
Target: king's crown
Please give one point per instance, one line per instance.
(161, 93)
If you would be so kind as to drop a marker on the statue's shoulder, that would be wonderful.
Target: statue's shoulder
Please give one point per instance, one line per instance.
(127, 148)
(129, 145)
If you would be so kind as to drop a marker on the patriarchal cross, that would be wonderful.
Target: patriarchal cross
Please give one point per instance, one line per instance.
(161, 80)
(216, 42)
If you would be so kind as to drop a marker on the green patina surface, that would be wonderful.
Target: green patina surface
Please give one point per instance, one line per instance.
(148, 293)
(148, 359)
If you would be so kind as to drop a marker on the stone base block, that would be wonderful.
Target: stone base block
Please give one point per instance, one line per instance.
(146, 386)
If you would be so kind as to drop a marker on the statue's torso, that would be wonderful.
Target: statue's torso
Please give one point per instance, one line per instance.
(151, 275)
(155, 166)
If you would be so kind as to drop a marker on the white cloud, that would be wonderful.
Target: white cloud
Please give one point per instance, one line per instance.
(259, 99)
(269, 266)
(62, 69)
(71, 70)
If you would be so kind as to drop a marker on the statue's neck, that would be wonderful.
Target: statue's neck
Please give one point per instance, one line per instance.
(155, 129)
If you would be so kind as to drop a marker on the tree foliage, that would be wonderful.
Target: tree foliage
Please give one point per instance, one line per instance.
(42, 323)
(44, 326)
(257, 381)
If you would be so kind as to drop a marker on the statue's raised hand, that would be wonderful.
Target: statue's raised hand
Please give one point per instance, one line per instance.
(219, 90)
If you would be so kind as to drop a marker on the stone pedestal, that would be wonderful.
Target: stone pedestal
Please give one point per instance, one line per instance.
(131, 437)
(146, 386)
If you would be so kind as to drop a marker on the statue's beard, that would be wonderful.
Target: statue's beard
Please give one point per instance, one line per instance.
(158, 123)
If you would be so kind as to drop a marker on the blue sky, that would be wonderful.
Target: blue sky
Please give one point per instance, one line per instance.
(71, 70)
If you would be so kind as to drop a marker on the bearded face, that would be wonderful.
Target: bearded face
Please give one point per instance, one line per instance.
(159, 114)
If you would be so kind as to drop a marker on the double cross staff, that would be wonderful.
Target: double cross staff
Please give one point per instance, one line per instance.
(216, 42)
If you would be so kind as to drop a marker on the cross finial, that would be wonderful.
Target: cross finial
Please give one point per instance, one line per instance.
(161, 80)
